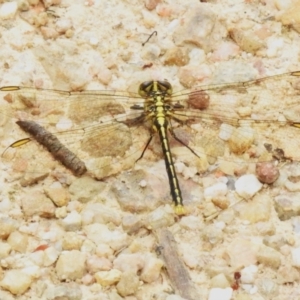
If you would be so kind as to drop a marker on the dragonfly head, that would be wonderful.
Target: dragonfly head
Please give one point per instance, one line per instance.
(148, 88)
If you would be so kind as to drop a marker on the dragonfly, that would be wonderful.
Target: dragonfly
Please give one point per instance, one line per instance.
(111, 130)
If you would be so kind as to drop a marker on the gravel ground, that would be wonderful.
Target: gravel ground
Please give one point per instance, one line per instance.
(68, 237)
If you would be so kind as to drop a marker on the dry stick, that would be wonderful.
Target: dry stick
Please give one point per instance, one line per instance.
(178, 274)
(53, 145)
(151, 35)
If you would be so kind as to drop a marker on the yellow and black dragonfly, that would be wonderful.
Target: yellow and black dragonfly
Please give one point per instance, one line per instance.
(111, 130)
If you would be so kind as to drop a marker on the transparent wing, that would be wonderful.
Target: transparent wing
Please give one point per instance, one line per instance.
(231, 122)
(235, 122)
(93, 125)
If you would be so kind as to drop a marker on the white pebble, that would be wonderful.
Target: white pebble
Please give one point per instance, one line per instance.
(218, 294)
(248, 274)
(225, 131)
(296, 257)
(16, 281)
(106, 278)
(50, 256)
(282, 4)
(32, 271)
(104, 250)
(220, 281)
(88, 247)
(70, 265)
(180, 166)
(72, 221)
(247, 186)
(94, 41)
(8, 10)
(95, 264)
(5, 249)
(64, 124)
(37, 258)
(99, 233)
(215, 191)
(191, 223)
(63, 24)
(143, 183)
(151, 270)
(18, 241)
(129, 262)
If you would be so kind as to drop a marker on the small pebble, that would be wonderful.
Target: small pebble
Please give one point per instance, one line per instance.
(67, 269)
(95, 264)
(72, 221)
(68, 291)
(241, 139)
(267, 172)
(7, 226)
(287, 274)
(84, 189)
(296, 257)
(49, 33)
(36, 203)
(287, 205)
(225, 131)
(129, 262)
(131, 223)
(191, 223)
(50, 256)
(128, 284)
(8, 10)
(267, 287)
(257, 210)
(104, 250)
(247, 186)
(159, 218)
(269, 257)
(198, 100)
(23, 5)
(107, 278)
(241, 253)
(99, 233)
(215, 191)
(176, 56)
(220, 281)
(290, 17)
(16, 281)
(71, 241)
(248, 41)
(5, 249)
(59, 196)
(151, 269)
(249, 274)
(218, 294)
(63, 24)
(151, 4)
(18, 241)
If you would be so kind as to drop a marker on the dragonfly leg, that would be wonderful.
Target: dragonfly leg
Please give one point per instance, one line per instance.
(145, 148)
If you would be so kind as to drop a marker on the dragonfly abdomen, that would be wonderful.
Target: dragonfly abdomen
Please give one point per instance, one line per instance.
(174, 184)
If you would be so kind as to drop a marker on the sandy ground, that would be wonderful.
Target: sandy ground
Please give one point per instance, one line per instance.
(79, 238)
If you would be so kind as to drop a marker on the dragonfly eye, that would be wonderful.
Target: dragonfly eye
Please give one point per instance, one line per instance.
(145, 88)
(148, 87)
(165, 87)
